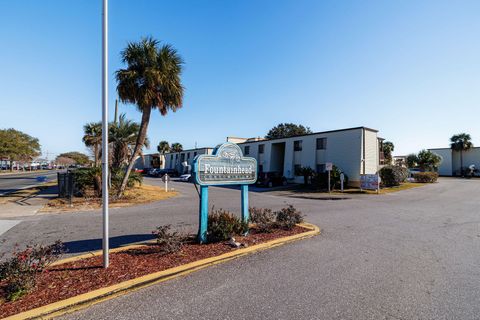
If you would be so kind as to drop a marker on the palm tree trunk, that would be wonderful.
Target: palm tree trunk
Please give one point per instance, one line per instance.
(95, 154)
(461, 163)
(138, 146)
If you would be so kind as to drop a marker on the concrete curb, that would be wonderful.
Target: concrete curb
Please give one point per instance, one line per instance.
(90, 298)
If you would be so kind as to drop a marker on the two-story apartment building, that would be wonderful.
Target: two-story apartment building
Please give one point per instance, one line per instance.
(354, 151)
(182, 161)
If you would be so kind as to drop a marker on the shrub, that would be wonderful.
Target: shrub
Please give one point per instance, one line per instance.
(20, 271)
(288, 217)
(393, 175)
(170, 242)
(321, 179)
(264, 219)
(426, 177)
(135, 178)
(89, 178)
(222, 225)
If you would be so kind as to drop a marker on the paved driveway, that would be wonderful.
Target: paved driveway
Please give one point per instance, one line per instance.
(408, 255)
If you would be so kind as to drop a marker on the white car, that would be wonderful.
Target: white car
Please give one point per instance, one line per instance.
(185, 177)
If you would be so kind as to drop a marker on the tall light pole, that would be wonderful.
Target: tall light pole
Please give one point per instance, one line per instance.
(105, 244)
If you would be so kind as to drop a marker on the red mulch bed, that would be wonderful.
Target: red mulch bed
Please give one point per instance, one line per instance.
(74, 278)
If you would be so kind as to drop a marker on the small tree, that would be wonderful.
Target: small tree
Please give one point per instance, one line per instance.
(306, 172)
(93, 139)
(428, 161)
(78, 157)
(18, 146)
(388, 148)
(176, 147)
(285, 130)
(163, 147)
(461, 142)
(412, 160)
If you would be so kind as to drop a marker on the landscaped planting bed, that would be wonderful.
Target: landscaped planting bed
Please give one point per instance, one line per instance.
(70, 279)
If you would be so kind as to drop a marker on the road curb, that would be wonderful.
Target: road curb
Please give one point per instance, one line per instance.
(90, 298)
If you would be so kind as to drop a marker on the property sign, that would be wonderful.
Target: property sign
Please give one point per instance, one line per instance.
(328, 166)
(226, 166)
(370, 181)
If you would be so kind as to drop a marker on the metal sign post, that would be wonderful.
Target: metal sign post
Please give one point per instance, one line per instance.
(329, 168)
(342, 179)
(165, 179)
(105, 244)
(226, 166)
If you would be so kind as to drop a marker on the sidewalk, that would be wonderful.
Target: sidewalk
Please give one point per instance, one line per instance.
(27, 205)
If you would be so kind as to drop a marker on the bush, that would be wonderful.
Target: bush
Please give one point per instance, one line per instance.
(117, 175)
(89, 178)
(264, 219)
(426, 177)
(222, 225)
(170, 242)
(393, 175)
(20, 271)
(320, 179)
(288, 217)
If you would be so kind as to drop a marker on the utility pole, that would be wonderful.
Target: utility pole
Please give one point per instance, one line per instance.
(105, 243)
(115, 119)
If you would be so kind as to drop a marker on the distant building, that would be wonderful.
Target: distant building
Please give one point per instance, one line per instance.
(182, 161)
(150, 161)
(451, 164)
(354, 151)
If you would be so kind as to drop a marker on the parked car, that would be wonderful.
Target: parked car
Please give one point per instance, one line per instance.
(170, 172)
(186, 177)
(271, 179)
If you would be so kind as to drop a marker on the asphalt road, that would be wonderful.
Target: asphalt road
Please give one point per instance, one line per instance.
(17, 181)
(408, 255)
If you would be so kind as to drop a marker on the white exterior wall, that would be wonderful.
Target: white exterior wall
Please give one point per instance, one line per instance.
(445, 168)
(344, 149)
(371, 152)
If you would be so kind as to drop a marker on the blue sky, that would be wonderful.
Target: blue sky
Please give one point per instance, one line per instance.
(407, 68)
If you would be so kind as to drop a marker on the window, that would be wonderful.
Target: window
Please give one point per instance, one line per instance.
(188, 156)
(297, 145)
(261, 148)
(321, 168)
(171, 157)
(182, 157)
(297, 169)
(260, 168)
(321, 143)
(195, 154)
(247, 150)
(176, 156)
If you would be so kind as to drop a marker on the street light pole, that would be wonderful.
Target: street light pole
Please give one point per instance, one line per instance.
(105, 243)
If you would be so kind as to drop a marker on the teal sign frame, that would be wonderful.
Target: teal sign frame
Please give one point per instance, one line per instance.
(226, 166)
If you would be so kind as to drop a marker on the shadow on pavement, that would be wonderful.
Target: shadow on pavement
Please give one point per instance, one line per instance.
(82, 246)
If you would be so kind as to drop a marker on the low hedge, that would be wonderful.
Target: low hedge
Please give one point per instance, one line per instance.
(393, 175)
(425, 177)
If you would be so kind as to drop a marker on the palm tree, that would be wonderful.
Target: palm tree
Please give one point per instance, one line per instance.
(388, 148)
(428, 161)
(151, 80)
(176, 147)
(93, 139)
(461, 142)
(122, 139)
(163, 147)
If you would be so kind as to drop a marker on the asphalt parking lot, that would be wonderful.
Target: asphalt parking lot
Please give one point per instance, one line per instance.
(408, 255)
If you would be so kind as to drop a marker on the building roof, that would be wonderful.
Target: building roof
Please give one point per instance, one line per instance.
(314, 133)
